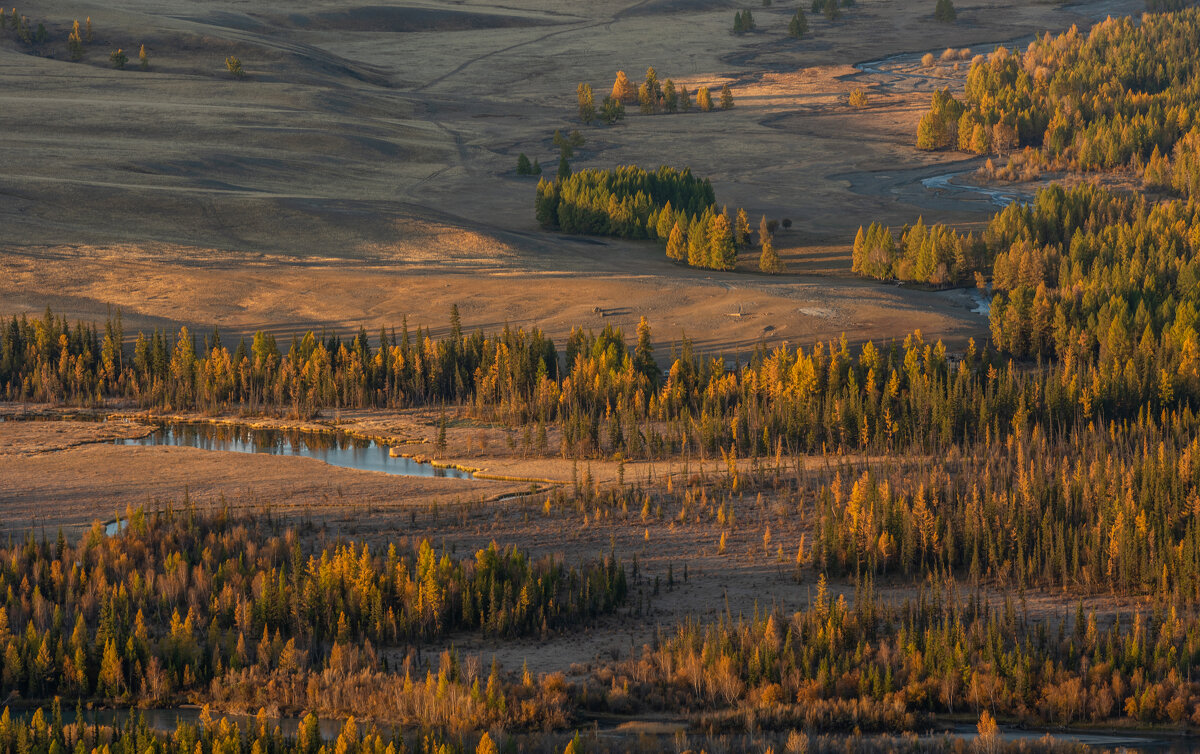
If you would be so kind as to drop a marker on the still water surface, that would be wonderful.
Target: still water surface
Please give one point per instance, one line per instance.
(334, 448)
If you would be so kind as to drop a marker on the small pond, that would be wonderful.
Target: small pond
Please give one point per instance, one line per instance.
(334, 448)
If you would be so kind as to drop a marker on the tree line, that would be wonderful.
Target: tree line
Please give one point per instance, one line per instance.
(603, 396)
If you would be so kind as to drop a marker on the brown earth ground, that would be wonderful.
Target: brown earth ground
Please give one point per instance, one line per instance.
(363, 171)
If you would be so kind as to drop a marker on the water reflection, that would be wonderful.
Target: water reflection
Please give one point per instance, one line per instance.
(334, 448)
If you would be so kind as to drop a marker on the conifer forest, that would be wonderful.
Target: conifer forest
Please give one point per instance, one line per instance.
(425, 379)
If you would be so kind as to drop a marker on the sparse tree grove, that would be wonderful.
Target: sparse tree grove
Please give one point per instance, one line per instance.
(653, 96)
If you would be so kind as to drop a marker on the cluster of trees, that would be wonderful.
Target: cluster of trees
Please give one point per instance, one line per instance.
(77, 39)
(651, 96)
(47, 359)
(704, 241)
(20, 27)
(235, 610)
(566, 144)
(743, 21)
(625, 201)
(938, 128)
(1101, 289)
(669, 205)
(1123, 94)
(798, 26)
(927, 254)
(878, 666)
(1103, 281)
(831, 8)
(612, 108)
(1095, 509)
(713, 242)
(525, 167)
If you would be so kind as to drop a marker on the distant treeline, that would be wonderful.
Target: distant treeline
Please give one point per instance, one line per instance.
(603, 396)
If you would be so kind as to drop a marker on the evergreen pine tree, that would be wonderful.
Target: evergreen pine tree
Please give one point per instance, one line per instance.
(726, 97)
(722, 254)
(564, 169)
(944, 11)
(653, 85)
(612, 110)
(677, 244)
(112, 678)
(798, 26)
(560, 141)
(75, 44)
(587, 105)
(741, 229)
(643, 354)
(623, 89)
(665, 221)
(523, 165)
(768, 260)
(670, 97)
(486, 745)
(645, 100)
(697, 243)
(685, 99)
